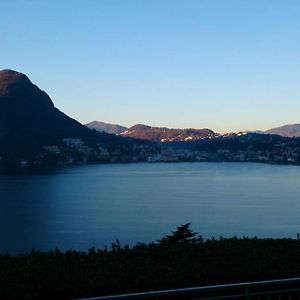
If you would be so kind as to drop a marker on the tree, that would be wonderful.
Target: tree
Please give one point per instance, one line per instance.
(183, 234)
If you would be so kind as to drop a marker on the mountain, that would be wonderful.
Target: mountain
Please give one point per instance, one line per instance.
(28, 112)
(29, 120)
(106, 127)
(291, 130)
(163, 134)
(32, 128)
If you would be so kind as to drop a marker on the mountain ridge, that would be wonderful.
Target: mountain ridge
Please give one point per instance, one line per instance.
(164, 134)
(106, 127)
(289, 130)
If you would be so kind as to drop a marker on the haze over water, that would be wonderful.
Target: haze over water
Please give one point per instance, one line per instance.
(84, 206)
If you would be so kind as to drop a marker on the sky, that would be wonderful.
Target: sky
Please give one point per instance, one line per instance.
(228, 65)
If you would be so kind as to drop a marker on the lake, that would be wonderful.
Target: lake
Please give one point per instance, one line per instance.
(83, 206)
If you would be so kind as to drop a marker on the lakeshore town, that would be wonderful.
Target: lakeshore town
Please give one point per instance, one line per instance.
(282, 156)
(241, 149)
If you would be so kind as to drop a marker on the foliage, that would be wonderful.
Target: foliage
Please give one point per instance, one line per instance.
(181, 259)
(183, 234)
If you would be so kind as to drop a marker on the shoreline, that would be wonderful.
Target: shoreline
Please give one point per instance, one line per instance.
(49, 168)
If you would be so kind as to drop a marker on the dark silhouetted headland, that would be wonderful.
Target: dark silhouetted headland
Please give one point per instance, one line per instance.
(34, 131)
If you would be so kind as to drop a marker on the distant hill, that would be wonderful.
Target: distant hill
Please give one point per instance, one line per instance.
(106, 127)
(292, 130)
(163, 134)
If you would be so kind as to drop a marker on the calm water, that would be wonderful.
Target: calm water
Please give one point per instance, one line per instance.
(81, 207)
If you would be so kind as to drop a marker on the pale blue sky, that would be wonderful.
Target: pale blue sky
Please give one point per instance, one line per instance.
(223, 64)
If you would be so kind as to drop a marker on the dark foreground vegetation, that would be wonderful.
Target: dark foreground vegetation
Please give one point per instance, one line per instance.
(181, 259)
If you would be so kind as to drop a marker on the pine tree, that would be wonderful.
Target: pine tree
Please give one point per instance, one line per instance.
(183, 234)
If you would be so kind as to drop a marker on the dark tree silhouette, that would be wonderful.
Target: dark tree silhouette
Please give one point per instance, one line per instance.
(183, 234)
